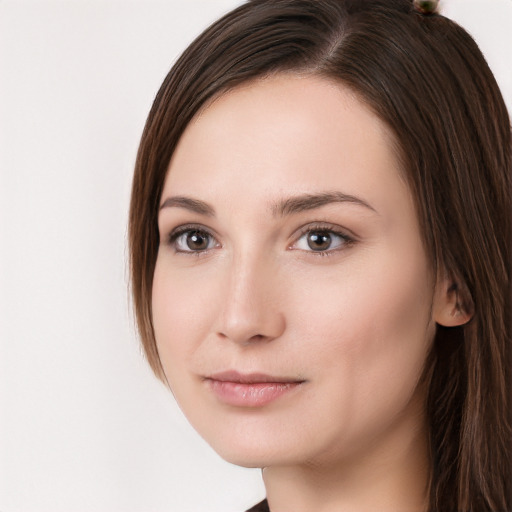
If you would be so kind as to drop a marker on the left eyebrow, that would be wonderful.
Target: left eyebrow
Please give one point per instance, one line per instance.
(297, 204)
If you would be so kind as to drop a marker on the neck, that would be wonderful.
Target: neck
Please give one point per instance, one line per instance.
(391, 476)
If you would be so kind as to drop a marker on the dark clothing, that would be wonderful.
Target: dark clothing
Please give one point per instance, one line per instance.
(260, 507)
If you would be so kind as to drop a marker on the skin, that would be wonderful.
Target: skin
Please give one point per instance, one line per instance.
(353, 323)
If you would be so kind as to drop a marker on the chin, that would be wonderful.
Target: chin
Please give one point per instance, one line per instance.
(251, 453)
(249, 458)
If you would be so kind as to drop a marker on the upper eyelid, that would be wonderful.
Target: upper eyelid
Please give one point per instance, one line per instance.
(326, 227)
(183, 228)
(170, 236)
(346, 240)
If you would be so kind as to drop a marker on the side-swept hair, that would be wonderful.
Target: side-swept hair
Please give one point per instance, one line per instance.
(425, 77)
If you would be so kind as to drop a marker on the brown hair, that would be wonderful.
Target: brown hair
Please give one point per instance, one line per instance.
(425, 77)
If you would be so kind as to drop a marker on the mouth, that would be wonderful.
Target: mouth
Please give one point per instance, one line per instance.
(250, 389)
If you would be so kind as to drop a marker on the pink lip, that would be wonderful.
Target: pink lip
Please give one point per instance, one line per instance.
(249, 390)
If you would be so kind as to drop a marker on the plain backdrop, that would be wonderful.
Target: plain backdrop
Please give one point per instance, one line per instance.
(84, 426)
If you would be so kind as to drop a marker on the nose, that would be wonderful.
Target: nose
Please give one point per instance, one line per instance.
(252, 309)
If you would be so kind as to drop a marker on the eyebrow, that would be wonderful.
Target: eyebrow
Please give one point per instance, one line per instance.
(194, 205)
(306, 202)
(282, 208)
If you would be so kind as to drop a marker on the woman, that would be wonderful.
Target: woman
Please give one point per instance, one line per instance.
(320, 235)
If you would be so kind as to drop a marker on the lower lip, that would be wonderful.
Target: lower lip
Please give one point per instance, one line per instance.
(255, 394)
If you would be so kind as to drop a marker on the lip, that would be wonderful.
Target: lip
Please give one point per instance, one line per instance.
(250, 389)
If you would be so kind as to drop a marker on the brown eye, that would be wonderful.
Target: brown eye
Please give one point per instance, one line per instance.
(192, 240)
(322, 240)
(197, 240)
(319, 240)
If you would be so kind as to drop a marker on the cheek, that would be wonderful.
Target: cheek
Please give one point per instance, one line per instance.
(183, 308)
(386, 294)
(369, 329)
(367, 340)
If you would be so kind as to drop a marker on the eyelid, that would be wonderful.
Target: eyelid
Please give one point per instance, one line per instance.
(185, 228)
(344, 233)
(348, 237)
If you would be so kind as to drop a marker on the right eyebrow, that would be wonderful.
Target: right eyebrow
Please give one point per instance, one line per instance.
(193, 205)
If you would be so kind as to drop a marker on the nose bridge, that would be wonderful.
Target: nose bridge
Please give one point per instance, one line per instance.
(252, 309)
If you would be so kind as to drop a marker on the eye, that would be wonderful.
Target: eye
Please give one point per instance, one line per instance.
(192, 240)
(321, 240)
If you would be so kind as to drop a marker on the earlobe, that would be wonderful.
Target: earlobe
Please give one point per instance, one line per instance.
(451, 308)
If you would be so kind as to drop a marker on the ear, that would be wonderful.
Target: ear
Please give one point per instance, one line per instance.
(453, 305)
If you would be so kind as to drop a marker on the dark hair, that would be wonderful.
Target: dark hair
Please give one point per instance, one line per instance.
(425, 77)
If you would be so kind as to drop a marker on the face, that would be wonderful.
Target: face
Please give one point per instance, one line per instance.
(292, 298)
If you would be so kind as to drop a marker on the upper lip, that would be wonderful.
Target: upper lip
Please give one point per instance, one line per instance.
(249, 378)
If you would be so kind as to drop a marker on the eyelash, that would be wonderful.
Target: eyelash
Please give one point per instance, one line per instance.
(188, 228)
(330, 229)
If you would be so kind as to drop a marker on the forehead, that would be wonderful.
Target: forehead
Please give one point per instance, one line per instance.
(284, 134)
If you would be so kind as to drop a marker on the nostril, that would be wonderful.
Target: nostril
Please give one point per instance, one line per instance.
(256, 338)
(259, 337)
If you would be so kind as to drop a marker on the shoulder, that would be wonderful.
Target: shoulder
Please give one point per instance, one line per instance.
(260, 507)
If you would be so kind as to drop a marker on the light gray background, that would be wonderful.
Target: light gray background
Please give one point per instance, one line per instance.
(84, 426)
